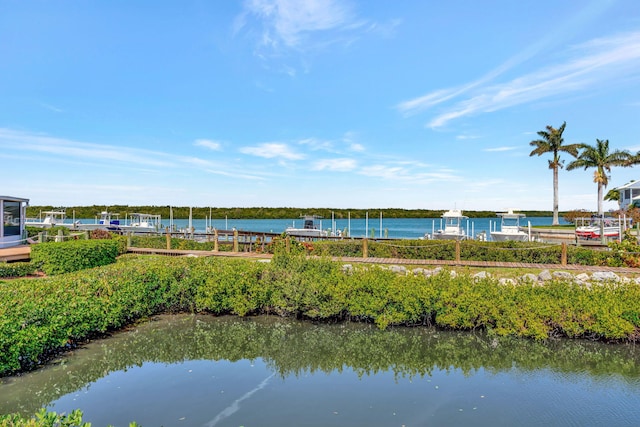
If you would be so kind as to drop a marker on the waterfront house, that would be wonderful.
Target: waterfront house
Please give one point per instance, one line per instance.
(14, 211)
(629, 194)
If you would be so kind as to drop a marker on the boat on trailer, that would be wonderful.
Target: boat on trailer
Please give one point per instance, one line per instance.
(510, 228)
(595, 227)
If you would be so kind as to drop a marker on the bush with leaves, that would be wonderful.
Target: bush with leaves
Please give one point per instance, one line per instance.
(73, 255)
(43, 418)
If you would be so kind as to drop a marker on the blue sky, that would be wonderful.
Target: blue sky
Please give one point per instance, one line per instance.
(317, 103)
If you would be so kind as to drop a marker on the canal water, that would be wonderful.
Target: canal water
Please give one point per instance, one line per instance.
(396, 228)
(197, 370)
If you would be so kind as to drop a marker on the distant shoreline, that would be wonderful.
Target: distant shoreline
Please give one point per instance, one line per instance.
(265, 213)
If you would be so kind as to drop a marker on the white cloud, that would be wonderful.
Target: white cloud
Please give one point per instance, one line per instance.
(317, 144)
(356, 147)
(25, 141)
(499, 149)
(287, 22)
(270, 150)
(207, 143)
(66, 151)
(596, 63)
(339, 165)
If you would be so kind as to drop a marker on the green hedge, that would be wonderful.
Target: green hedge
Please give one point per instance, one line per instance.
(38, 317)
(17, 269)
(43, 418)
(73, 255)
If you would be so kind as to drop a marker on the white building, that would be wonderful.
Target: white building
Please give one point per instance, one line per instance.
(14, 212)
(629, 193)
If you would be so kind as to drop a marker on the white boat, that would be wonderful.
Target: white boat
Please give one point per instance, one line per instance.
(51, 219)
(309, 228)
(453, 229)
(510, 228)
(108, 221)
(592, 228)
(142, 222)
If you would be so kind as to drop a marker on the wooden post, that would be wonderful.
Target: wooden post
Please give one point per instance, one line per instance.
(86, 235)
(564, 253)
(365, 248)
(235, 240)
(168, 238)
(128, 239)
(41, 237)
(215, 240)
(457, 250)
(287, 244)
(60, 236)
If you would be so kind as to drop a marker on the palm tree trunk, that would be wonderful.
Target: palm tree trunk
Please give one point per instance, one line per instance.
(555, 196)
(600, 191)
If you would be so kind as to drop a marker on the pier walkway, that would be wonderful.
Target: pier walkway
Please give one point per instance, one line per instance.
(400, 261)
(21, 253)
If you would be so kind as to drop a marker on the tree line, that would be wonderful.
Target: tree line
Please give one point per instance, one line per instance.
(183, 212)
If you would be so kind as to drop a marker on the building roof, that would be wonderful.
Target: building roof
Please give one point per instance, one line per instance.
(14, 199)
(632, 184)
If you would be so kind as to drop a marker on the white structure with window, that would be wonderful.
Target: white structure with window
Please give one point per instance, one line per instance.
(629, 193)
(14, 210)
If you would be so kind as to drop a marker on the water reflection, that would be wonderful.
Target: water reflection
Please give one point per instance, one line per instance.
(202, 370)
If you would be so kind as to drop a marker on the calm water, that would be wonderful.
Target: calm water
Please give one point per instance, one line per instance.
(411, 228)
(206, 371)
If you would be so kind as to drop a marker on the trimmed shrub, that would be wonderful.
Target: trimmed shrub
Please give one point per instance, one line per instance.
(17, 269)
(39, 317)
(73, 255)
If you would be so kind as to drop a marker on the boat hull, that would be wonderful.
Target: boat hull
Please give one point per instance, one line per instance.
(447, 236)
(594, 232)
(303, 232)
(498, 236)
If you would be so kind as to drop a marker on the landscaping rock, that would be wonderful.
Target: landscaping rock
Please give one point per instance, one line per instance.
(563, 275)
(605, 276)
(545, 275)
(529, 278)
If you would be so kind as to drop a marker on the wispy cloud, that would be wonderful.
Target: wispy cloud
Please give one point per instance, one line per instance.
(24, 141)
(207, 143)
(465, 137)
(500, 149)
(316, 144)
(270, 150)
(76, 152)
(406, 173)
(337, 165)
(288, 23)
(349, 139)
(592, 65)
(51, 107)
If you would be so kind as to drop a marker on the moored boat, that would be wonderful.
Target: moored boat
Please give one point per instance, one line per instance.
(310, 228)
(142, 222)
(510, 228)
(50, 219)
(108, 221)
(453, 229)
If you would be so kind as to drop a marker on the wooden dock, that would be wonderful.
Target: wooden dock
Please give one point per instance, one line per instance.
(15, 253)
(398, 261)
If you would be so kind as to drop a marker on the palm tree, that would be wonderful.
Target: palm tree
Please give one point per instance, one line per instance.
(600, 158)
(551, 142)
(613, 195)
